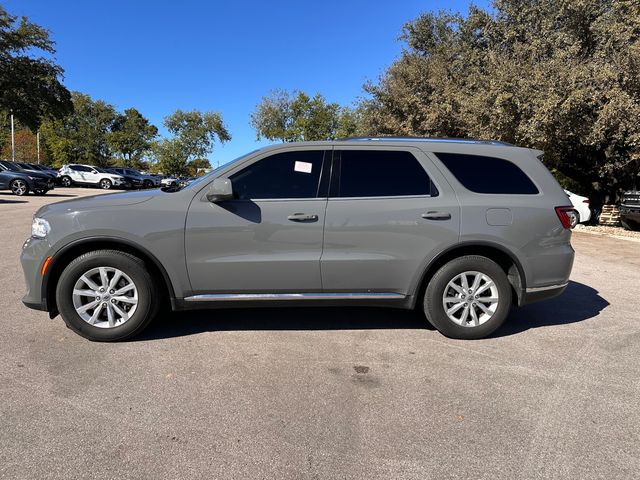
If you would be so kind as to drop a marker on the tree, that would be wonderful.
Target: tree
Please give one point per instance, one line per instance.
(297, 117)
(81, 137)
(131, 136)
(26, 147)
(30, 86)
(562, 76)
(194, 135)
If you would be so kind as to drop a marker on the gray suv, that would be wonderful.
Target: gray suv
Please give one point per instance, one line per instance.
(461, 229)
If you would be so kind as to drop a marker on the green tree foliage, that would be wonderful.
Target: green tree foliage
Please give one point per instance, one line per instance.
(194, 134)
(559, 75)
(29, 85)
(131, 136)
(294, 117)
(83, 136)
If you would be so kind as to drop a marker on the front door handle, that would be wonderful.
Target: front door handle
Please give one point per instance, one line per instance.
(302, 217)
(436, 216)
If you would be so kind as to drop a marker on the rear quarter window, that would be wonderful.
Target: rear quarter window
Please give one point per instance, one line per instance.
(481, 174)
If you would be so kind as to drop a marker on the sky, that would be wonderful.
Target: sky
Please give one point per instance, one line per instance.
(224, 56)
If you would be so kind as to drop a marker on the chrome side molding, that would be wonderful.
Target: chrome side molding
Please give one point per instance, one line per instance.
(217, 297)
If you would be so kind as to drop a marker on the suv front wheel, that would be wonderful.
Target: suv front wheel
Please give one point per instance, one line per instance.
(468, 298)
(106, 295)
(105, 184)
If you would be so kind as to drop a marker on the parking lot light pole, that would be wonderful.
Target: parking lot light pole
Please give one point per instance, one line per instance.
(38, 145)
(13, 141)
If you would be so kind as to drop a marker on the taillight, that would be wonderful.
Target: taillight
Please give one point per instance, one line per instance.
(565, 214)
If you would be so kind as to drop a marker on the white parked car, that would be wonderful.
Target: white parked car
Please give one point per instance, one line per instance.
(581, 205)
(169, 181)
(89, 175)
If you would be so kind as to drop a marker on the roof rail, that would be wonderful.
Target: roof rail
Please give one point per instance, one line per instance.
(426, 139)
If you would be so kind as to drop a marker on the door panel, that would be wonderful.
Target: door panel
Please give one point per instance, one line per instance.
(381, 244)
(246, 246)
(269, 238)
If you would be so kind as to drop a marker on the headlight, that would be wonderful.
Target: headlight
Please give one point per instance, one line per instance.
(40, 228)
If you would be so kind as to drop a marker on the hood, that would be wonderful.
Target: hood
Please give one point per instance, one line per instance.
(33, 173)
(119, 199)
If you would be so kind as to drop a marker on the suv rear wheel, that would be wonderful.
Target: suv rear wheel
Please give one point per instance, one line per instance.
(106, 295)
(468, 298)
(66, 181)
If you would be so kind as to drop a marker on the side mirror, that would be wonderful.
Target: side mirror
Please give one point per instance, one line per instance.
(220, 190)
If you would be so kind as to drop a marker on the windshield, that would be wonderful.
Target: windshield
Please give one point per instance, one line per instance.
(102, 170)
(11, 166)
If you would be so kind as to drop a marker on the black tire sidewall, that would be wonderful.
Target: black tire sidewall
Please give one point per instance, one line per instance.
(130, 265)
(435, 311)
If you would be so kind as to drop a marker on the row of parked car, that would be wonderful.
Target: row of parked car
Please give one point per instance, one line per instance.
(22, 178)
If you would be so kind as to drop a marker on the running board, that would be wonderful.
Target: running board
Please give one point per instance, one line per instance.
(226, 297)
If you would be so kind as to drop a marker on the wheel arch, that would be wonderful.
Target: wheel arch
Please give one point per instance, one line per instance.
(63, 257)
(496, 252)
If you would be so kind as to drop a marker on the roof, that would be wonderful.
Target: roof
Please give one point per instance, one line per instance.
(472, 141)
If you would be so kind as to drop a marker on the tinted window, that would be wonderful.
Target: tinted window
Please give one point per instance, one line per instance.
(488, 174)
(284, 175)
(370, 173)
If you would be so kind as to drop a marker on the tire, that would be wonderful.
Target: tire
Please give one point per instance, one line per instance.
(629, 224)
(40, 191)
(105, 184)
(101, 329)
(66, 181)
(575, 219)
(434, 298)
(147, 184)
(19, 187)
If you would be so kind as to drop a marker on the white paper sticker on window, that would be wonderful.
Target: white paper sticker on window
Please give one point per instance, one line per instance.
(304, 167)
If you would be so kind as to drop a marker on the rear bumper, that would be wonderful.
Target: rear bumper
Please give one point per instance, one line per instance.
(537, 294)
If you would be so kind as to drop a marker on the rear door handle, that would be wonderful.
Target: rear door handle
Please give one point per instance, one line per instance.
(436, 216)
(303, 217)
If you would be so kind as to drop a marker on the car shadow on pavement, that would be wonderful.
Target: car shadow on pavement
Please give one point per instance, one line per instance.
(178, 324)
(578, 302)
(4, 201)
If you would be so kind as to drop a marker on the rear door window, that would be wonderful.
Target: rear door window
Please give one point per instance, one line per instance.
(380, 173)
(483, 174)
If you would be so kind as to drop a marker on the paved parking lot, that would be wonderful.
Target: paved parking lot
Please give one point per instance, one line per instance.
(323, 394)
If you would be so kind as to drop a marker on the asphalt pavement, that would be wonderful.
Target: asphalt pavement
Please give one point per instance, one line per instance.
(338, 393)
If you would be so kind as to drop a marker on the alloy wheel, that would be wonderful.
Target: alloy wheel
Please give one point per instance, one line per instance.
(105, 297)
(470, 299)
(19, 187)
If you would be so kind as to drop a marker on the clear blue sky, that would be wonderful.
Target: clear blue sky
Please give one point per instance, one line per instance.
(158, 56)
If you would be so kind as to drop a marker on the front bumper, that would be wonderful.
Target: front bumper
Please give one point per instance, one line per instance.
(43, 184)
(34, 253)
(632, 212)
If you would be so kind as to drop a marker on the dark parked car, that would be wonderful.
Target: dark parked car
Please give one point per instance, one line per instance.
(630, 210)
(32, 167)
(131, 181)
(21, 182)
(146, 181)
